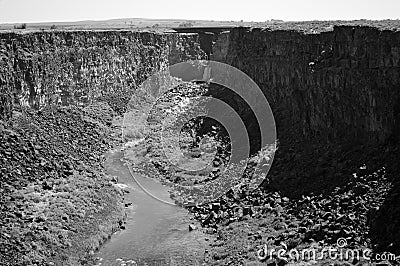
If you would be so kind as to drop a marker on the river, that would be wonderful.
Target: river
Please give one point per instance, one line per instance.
(156, 233)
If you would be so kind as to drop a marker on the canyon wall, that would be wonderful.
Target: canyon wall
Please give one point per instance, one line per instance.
(335, 96)
(342, 84)
(42, 68)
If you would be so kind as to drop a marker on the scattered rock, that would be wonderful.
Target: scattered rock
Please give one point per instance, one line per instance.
(192, 227)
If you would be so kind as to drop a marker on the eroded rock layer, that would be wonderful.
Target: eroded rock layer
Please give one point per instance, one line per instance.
(333, 85)
(44, 68)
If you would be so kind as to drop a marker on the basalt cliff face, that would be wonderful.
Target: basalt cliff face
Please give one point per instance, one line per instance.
(45, 68)
(340, 84)
(332, 85)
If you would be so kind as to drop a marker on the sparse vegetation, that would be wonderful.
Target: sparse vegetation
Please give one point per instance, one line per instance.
(20, 26)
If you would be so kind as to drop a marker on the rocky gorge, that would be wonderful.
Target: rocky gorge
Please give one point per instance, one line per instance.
(334, 89)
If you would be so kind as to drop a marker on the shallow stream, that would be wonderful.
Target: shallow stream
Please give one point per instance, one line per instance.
(156, 233)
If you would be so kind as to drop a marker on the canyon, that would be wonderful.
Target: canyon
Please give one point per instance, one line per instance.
(334, 90)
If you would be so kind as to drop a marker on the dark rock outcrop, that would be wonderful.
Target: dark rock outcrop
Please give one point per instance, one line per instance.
(340, 84)
(65, 68)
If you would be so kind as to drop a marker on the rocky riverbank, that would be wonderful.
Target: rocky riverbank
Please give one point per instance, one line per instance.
(245, 221)
(57, 204)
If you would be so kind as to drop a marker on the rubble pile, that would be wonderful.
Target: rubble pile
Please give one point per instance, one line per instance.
(56, 203)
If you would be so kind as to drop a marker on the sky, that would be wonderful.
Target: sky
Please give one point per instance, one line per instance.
(18, 11)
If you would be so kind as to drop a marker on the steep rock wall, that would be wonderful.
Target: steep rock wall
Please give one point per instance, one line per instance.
(336, 101)
(43, 68)
(336, 85)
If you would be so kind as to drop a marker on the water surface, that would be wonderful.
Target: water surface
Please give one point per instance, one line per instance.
(156, 233)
